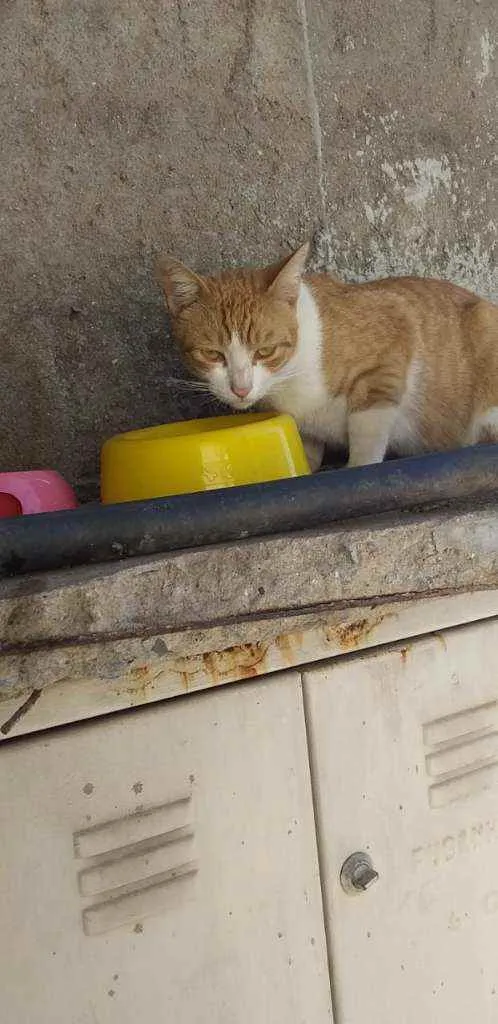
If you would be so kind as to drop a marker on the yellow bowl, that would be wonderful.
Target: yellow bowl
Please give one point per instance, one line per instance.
(201, 455)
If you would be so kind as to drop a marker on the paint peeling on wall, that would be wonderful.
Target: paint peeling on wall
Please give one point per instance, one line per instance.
(419, 215)
(488, 51)
(409, 140)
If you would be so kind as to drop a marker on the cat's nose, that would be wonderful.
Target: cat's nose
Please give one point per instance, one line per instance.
(240, 392)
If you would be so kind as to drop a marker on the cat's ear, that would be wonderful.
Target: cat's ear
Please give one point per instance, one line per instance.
(287, 277)
(180, 285)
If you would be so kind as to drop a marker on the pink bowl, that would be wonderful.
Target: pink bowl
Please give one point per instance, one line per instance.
(37, 490)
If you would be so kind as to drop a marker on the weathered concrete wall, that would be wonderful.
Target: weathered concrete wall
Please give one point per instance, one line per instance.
(407, 102)
(223, 131)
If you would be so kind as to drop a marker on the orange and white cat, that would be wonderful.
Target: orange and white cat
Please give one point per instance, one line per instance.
(405, 364)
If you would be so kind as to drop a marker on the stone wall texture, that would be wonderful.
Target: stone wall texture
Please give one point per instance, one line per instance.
(225, 132)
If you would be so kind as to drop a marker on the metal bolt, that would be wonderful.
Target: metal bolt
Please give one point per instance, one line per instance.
(358, 873)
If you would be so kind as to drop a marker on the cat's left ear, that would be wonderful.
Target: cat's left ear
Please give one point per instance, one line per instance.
(180, 285)
(285, 286)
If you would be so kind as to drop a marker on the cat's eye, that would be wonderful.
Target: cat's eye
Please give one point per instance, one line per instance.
(212, 355)
(266, 351)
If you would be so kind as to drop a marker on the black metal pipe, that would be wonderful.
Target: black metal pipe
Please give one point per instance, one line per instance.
(102, 533)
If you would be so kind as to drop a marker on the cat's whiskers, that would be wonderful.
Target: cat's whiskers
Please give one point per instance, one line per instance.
(189, 385)
(283, 378)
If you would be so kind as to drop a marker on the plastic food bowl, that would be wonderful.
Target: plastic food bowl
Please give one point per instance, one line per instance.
(201, 455)
(35, 490)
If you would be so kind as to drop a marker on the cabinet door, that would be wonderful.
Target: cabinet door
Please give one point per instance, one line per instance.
(160, 866)
(404, 753)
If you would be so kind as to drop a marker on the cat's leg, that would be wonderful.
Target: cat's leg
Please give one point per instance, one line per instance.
(369, 431)
(373, 408)
(314, 453)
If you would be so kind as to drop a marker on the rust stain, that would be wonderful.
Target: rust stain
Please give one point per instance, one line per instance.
(210, 662)
(140, 672)
(215, 667)
(353, 634)
(241, 661)
(245, 658)
(404, 651)
(142, 677)
(285, 644)
(442, 640)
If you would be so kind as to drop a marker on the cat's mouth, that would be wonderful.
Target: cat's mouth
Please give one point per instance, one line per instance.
(242, 406)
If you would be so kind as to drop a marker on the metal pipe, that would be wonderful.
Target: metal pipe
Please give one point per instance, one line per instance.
(103, 533)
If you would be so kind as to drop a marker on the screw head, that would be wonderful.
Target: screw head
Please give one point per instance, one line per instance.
(358, 873)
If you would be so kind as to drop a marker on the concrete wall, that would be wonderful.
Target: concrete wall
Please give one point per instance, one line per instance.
(224, 131)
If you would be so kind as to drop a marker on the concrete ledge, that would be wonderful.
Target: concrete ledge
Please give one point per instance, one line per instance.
(343, 567)
(67, 683)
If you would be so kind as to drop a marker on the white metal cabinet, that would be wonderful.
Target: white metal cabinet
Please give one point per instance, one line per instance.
(161, 866)
(404, 748)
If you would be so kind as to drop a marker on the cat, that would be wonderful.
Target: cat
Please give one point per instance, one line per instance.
(405, 364)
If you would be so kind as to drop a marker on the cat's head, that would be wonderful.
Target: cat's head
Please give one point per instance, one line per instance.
(238, 332)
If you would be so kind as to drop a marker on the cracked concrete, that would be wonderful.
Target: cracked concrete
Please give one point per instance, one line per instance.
(224, 132)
